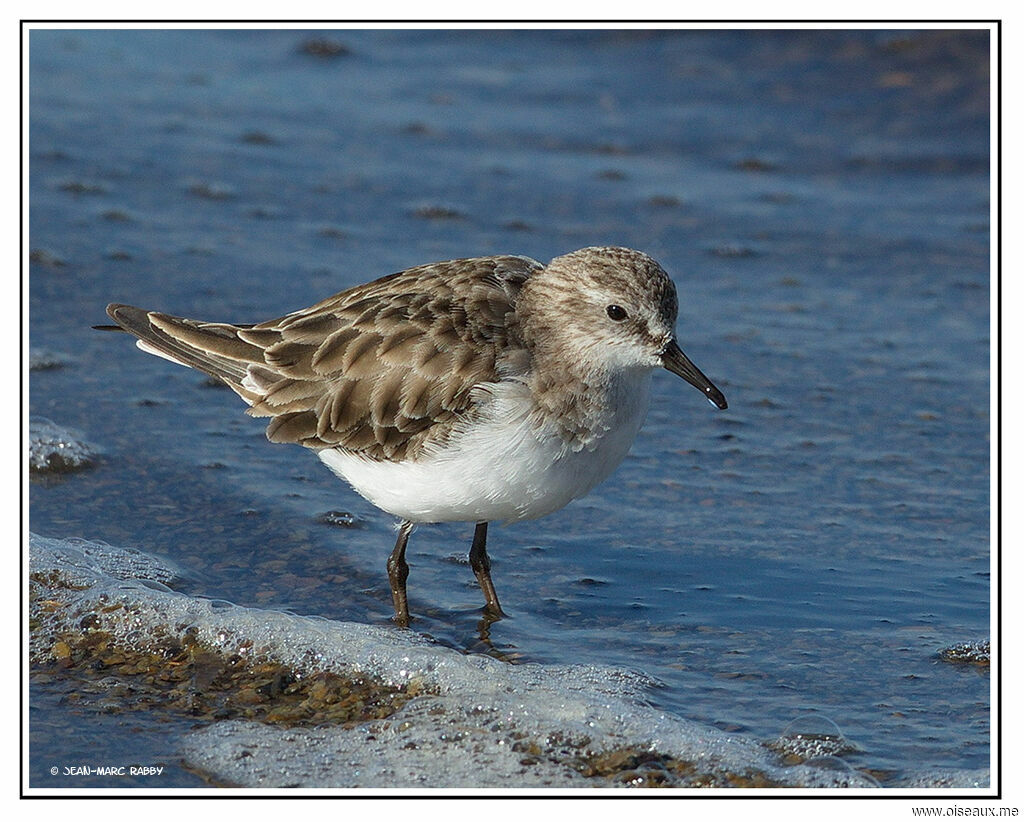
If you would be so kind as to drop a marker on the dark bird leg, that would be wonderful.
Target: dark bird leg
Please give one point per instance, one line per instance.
(481, 566)
(398, 572)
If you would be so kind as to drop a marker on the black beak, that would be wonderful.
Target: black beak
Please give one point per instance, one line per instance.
(677, 362)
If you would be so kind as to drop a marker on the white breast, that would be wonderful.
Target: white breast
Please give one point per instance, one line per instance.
(508, 466)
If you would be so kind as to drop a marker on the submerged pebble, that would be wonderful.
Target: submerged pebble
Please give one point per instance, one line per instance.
(42, 359)
(437, 212)
(339, 519)
(324, 47)
(811, 737)
(969, 653)
(50, 259)
(56, 450)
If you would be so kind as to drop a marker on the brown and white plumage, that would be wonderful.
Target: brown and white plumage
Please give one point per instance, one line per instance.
(467, 390)
(380, 369)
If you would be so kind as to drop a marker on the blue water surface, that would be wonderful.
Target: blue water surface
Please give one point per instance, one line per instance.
(821, 199)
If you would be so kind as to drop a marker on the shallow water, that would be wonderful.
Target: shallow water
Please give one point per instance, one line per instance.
(821, 200)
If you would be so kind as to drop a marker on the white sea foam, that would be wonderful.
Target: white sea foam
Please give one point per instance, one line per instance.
(476, 721)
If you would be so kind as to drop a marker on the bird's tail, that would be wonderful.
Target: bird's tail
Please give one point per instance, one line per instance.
(213, 348)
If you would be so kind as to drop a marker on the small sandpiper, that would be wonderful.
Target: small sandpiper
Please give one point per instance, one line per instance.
(490, 388)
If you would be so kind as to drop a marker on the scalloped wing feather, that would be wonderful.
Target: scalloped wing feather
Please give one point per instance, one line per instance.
(382, 369)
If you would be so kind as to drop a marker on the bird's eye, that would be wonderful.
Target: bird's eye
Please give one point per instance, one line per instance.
(616, 312)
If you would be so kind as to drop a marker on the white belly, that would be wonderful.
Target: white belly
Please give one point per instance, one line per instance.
(505, 468)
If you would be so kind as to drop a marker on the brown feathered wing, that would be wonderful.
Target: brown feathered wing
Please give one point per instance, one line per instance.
(381, 369)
